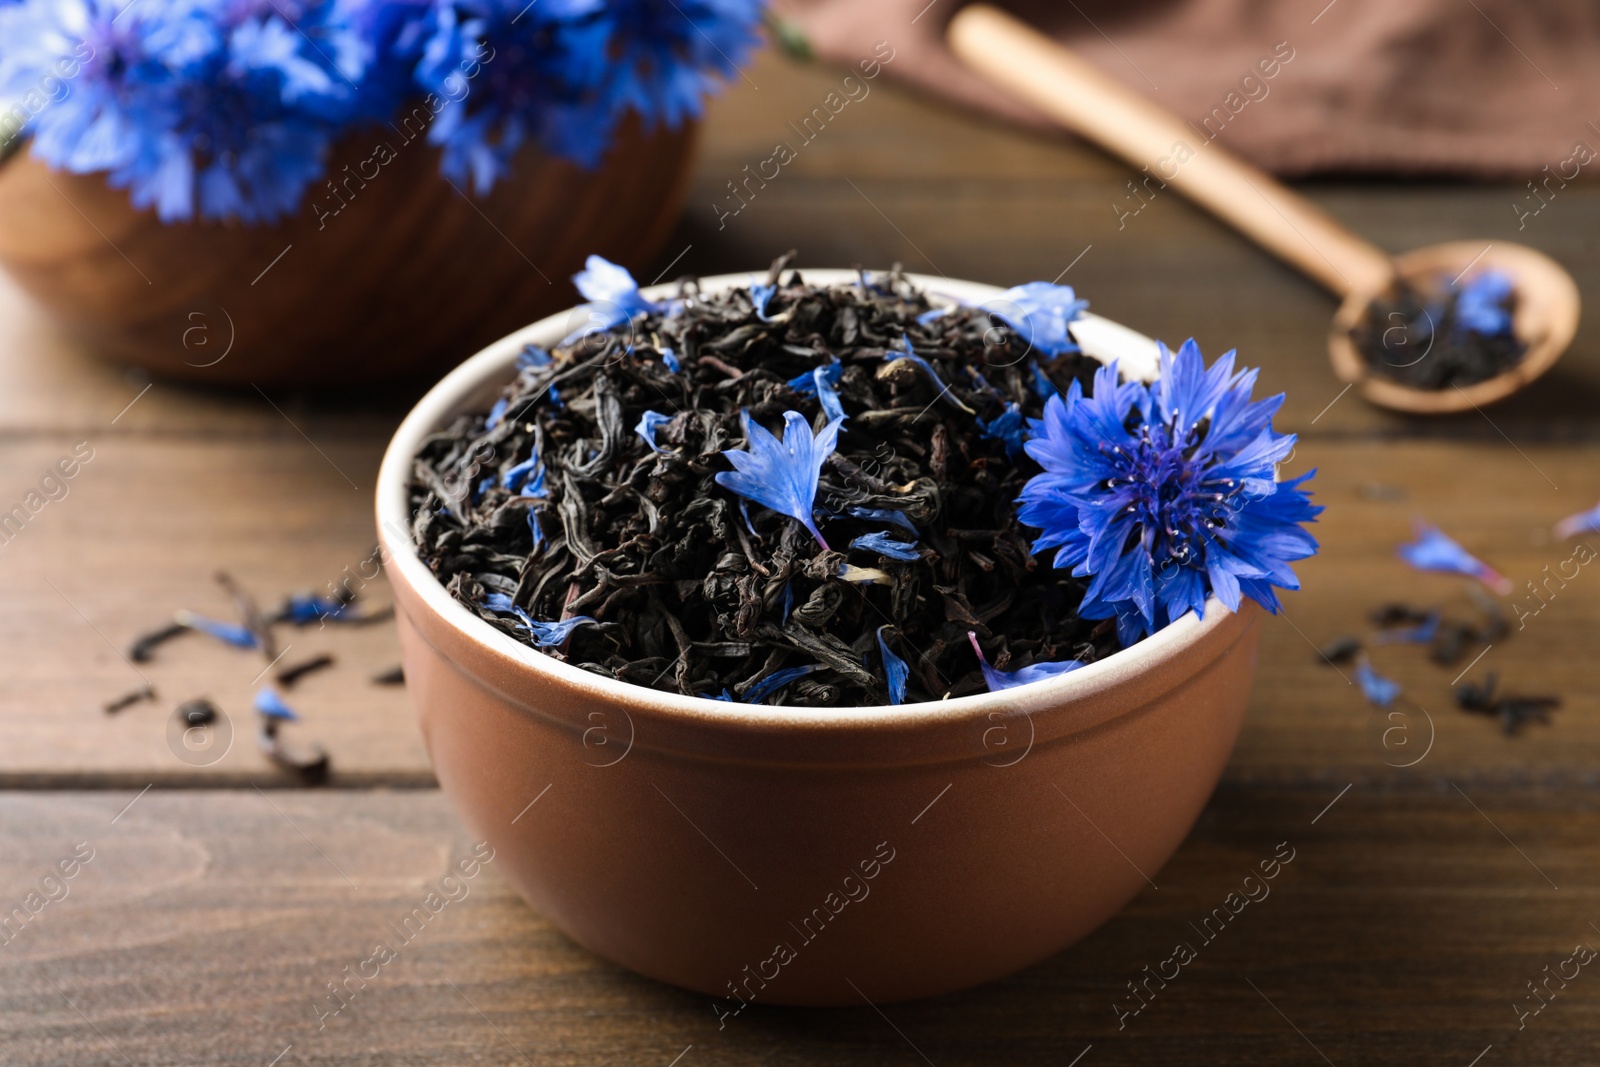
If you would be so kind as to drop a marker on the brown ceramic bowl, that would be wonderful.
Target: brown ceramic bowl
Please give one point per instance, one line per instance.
(800, 855)
(399, 282)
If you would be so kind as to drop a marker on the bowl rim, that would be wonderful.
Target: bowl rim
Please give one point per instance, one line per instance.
(490, 369)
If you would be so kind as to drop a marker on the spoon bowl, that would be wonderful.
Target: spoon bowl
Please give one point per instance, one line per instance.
(1018, 58)
(1545, 321)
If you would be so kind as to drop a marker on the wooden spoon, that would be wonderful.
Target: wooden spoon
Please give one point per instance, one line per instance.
(1016, 57)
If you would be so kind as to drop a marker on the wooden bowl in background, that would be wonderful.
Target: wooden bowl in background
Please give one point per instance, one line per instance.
(402, 281)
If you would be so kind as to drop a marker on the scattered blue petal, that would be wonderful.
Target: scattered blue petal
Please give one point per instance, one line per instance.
(1433, 550)
(1034, 672)
(895, 671)
(548, 634)
(788, 602)
(1377, 689)
(526, 478)
(307, 608)
(1165, 494)
(782, 474)
(670, 358)
(1582, 522)
(613, 298)
(534, 356)
(889, 515)
(885, 545)
(1042, 385)
(774, 682)
(760, 297)
(1039, 312)
(724, 695)
(496, 413)
(928, 317)
(270, 704)
(1484, 305)
(649, 423)
(819, 382)
(226, 632)
(1008, 428)
(555, 398)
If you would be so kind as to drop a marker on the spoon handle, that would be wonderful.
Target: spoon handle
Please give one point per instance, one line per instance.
(1016, 57)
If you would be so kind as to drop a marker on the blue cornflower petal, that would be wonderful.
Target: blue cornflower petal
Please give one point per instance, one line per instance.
(534, 356)
(1039, 312)
(270, 704)
(1484, 304)
(226, 632)
(934, 315)
(819, 382)
(774, 682)
(613, 298)
(649, 423)
(1034, 672)
(782, 474)
(911, 354)
(1377, 689)
(889, 515)
(307, 608)
(788, 602)
(554, 396)
(670, 358)
(895, 671)
(546, 634)
(885, 545)
(1043, 386)
(1582, 522)
(526, 478)
(760, 297)
(1009, 428)
(1164, 494)
(496, 413)
(1433, 550)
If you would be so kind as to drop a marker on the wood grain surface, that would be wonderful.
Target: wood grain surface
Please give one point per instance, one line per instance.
(1418, 905)
(207, 926)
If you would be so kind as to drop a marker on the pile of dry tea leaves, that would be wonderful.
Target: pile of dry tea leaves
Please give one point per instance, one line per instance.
(582, 515)
(1458, 336)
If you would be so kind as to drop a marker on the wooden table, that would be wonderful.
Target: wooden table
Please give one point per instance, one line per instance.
(221, 899)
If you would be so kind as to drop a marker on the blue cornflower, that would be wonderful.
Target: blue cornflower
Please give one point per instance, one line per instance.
(1034, 672)
(200, 108)
(1434, 550)
(774, 682)
(927, 318)
(661, 58)
(649, 423)
(1582, 522)
(1163, 494)
(889, 515)
(1484, 304)
(271, 704)
(670, 358)
(911, 354)
(782, 474)
(885, 545)
(1378, 690)
(895, 671)
(535, 529)
(496, 413)
(819, 382)
(226, 632)
(1039, 312)
(1007, 427)
(613, 297)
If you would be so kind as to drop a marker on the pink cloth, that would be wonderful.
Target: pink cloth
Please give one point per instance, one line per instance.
(1487, 88)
